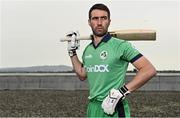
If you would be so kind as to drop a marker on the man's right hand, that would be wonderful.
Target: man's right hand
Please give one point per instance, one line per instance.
(73, 44)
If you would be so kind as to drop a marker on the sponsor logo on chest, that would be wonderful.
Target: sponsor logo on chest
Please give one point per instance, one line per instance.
(97, 68)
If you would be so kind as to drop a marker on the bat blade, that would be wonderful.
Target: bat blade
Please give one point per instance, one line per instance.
(135, 34)
(129, 34)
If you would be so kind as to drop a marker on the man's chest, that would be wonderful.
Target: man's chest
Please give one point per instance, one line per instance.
(100, 59)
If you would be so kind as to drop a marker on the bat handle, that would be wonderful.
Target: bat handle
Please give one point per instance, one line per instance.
(80, 38)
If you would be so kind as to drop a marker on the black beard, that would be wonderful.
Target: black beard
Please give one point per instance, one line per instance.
(100, 34)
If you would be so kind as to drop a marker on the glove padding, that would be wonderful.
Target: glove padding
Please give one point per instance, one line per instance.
(110, 102)
(73, 44)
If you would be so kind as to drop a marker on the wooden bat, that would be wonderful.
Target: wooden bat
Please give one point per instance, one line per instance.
(129, 34)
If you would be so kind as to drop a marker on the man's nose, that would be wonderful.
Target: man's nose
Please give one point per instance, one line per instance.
(99, 21)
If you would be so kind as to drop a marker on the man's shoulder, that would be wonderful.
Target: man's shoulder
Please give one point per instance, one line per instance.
(118, 41)
(88, 46)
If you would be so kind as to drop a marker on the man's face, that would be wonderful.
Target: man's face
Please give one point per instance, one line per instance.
(99, 22)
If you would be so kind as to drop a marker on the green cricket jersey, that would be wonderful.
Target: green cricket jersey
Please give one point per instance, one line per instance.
(106, 65)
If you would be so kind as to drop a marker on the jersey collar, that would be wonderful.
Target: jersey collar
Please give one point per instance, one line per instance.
(105, 39)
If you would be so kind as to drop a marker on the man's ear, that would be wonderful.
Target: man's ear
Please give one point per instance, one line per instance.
(89, 22)
(109, 21)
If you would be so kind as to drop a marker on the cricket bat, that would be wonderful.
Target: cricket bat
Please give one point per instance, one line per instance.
(128, 34)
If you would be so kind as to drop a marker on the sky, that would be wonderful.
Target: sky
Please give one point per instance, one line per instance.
(31, 29)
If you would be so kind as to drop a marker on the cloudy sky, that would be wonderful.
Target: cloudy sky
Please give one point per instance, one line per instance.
(31, 29)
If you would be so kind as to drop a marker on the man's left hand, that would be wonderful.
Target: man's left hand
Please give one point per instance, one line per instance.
(110, 102)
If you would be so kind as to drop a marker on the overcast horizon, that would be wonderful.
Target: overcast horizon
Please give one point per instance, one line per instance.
(31, 29)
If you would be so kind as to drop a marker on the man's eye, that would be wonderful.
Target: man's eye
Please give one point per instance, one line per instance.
(104, 17)
(95, 18)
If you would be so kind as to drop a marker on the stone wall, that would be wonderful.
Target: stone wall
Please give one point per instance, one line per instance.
(69, 81)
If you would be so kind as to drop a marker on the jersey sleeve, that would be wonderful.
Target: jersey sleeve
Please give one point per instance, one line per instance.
(130, 53)
(83, 55)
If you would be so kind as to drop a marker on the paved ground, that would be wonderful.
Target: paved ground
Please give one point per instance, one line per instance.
(51, 103)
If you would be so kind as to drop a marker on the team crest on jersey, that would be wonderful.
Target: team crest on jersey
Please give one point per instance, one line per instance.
(103, 54)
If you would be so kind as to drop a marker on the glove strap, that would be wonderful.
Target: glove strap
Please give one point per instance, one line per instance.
(72, 53)
(124, 90)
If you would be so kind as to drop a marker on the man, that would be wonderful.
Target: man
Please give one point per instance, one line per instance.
(105, 62)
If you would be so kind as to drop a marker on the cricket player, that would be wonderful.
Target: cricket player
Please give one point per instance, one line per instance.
(105, 62)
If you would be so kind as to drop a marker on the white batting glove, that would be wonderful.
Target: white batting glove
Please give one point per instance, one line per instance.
(73, 44)
(110, 102)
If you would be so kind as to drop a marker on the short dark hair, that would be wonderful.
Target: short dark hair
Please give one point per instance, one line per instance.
(100, 7)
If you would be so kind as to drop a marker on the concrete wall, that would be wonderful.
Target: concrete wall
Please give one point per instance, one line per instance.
(69, 81)
(161, 82)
